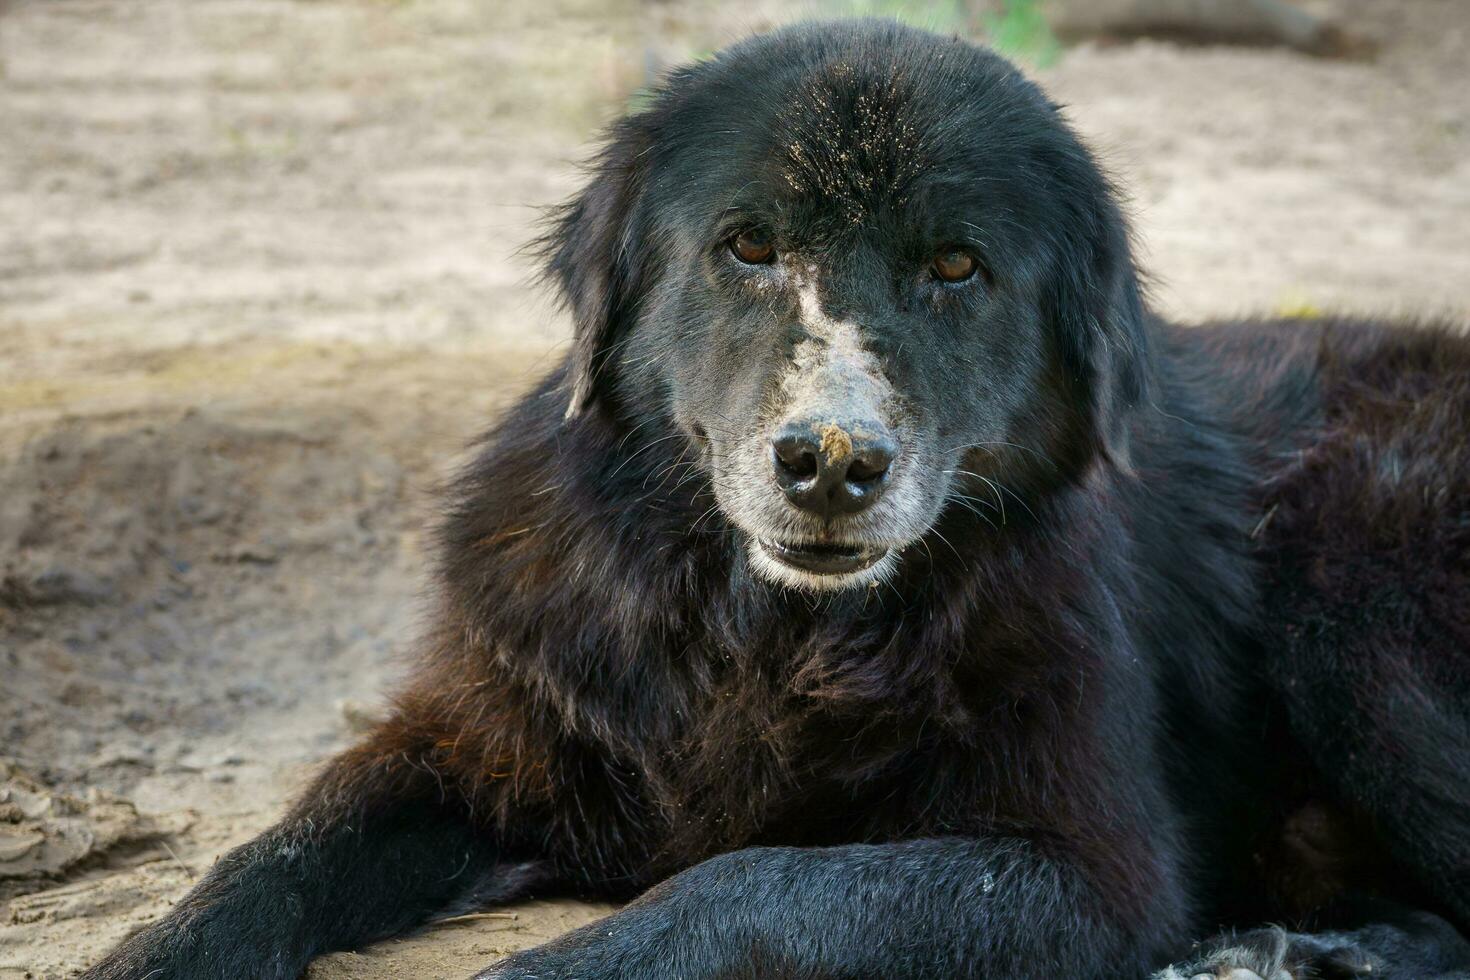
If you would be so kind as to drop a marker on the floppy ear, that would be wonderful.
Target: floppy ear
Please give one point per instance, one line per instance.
(1097, 305)
(592, 255)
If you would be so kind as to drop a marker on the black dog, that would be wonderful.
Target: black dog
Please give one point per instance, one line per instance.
(907, 596)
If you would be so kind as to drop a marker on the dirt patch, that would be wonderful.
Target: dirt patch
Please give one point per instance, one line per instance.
(836, 443)
(205, 587)
(258, 288)
(454, 949)
(44, 835)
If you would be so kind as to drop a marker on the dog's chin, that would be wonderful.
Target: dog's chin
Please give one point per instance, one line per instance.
(820, 567)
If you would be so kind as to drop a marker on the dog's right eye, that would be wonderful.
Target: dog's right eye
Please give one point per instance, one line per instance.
(753, 247)
(954, 266)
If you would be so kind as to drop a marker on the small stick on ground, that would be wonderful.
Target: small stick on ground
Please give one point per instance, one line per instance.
(177, 861)
(476, 916)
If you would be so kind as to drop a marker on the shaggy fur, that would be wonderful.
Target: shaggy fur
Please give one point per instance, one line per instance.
(1170, 634)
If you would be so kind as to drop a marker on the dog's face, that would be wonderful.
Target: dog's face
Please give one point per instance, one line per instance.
(867, 274)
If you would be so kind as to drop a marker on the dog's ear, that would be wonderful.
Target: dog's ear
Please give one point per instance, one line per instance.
(1096, 304)
(593, 256)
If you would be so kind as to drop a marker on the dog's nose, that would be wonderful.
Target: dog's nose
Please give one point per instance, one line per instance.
(830, 469)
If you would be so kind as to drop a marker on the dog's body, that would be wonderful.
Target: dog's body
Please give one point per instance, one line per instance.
(919, 619)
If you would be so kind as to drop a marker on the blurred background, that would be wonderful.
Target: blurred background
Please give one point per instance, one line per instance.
(259, 284)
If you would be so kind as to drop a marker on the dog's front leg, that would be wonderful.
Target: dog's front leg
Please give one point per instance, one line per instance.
(377, 846)
(945, 907)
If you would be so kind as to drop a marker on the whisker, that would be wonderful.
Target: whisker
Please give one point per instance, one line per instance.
(1009, 445)
(941, 537)
(1000, 502)
(969, 504)
(639, 452)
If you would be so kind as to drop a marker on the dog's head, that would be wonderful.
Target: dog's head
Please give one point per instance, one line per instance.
(868, 273)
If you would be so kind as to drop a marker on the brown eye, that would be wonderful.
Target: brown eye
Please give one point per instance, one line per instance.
(955, 266)
(753, 247)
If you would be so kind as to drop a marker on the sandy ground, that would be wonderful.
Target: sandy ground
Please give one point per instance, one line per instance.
(258, 286)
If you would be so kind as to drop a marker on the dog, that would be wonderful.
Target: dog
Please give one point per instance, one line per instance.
(879, 589)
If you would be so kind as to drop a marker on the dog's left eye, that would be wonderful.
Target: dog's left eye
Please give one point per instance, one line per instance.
(753, 247)
(954, 265)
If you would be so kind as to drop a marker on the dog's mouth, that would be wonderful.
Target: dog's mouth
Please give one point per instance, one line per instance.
(823, 559)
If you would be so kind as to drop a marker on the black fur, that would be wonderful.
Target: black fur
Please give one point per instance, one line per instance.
(1175, 638)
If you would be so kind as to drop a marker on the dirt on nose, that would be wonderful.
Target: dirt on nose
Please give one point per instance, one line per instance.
(836, 443)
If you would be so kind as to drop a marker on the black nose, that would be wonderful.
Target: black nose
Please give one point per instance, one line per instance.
(830, 469)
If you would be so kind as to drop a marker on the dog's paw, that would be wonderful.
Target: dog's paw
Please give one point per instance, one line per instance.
(1273, 954)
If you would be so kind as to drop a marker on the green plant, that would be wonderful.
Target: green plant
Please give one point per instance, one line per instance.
(1020, 31)
(944, 16)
